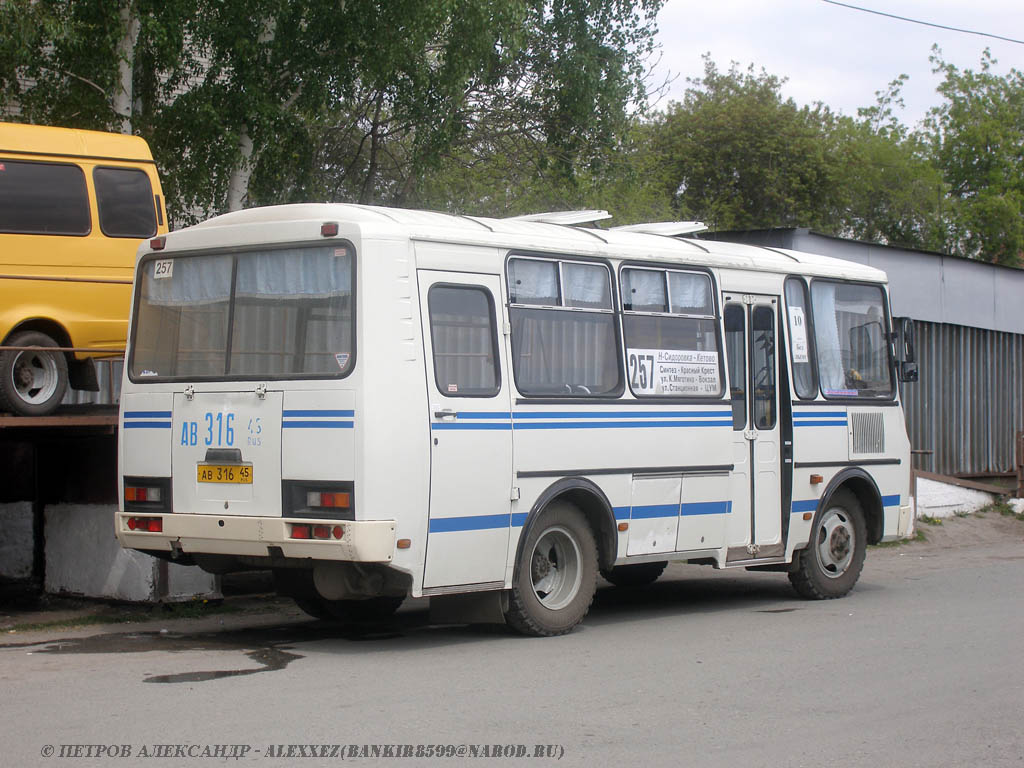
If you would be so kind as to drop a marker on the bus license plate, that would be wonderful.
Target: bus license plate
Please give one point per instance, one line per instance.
(224, 473)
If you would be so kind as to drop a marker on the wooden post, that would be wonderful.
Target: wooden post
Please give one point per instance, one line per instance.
(1020, 465)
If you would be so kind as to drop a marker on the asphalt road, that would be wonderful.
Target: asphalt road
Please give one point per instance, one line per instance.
(920, 666)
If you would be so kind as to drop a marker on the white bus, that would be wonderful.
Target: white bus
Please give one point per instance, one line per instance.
(376, 403)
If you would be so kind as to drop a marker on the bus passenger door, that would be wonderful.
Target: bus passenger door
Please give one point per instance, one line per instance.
(752, 337)
(468, 395)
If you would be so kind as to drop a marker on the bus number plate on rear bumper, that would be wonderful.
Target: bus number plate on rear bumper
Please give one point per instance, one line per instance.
(224, 473)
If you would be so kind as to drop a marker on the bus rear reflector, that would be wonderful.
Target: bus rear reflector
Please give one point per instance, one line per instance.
(158, 243)
(329, 229)
(146, 524)
(301, 532)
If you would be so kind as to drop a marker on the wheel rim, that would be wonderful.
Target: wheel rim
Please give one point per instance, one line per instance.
(555, 568)
(836, 542)
(34, 376)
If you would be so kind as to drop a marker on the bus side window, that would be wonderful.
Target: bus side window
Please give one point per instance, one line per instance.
(462, 332)
(736, 359)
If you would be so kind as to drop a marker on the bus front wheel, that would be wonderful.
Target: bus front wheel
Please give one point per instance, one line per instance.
(32, 382)
(556, 574)
(834, 557)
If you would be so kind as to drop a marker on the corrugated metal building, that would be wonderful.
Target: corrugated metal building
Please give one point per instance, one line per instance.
(969, 322)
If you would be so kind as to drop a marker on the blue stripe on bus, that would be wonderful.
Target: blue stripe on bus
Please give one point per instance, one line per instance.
(147, 425)
(469, 523)
(654, 510)
(674, 510)
(818, 414)
(317, 414)
(619, 414)
(483, 415)
(837, 423)
(479, 425)
(623, 424)
(891, 501)
(621, 513)
(147, 414)
(707, 508)
(805, 506)
(317, 424)
(518, 519)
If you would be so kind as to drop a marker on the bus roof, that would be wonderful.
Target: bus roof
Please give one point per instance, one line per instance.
(43, 140)
(522, 235)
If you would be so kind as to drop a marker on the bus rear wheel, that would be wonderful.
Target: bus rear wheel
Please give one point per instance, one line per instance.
(556, 575)
(32, 382)
(832, 562)
(638, 575)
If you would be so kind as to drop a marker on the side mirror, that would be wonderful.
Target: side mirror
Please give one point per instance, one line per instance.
(906, 359)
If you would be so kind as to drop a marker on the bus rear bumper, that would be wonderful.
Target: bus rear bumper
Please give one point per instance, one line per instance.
(362, 541)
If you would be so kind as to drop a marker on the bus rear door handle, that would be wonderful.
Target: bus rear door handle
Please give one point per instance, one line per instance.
(446, 413)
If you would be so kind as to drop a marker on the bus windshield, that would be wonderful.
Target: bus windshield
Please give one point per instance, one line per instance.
(274, 313)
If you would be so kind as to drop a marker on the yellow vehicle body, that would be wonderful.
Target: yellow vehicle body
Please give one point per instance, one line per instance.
(74, 206)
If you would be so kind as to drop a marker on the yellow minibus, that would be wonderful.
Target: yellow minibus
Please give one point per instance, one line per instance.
(74, 206)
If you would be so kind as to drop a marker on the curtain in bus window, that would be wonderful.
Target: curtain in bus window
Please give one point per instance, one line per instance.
(181, 326)
(826, 337)
(555, 352)
(293, 312)
(463, 339)
(533, 282)
(296, 272)
(643, 290)
(586, 286)
(690, 294)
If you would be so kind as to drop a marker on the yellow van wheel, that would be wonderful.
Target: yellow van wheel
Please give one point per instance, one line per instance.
(32, 382)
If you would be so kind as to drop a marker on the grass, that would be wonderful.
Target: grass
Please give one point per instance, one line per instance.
(928, 520)
(1005, 510)
(194, 609)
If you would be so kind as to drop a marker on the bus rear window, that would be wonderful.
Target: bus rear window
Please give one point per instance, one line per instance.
(283, 313)
(43, 199)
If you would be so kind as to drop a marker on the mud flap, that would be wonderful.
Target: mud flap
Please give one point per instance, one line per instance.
(469, 608)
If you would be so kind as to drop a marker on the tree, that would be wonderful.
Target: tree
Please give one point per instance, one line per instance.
(977, 138)
(741, 157)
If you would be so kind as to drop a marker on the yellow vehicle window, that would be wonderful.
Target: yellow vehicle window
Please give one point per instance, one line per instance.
(43, 199)
(124, 199)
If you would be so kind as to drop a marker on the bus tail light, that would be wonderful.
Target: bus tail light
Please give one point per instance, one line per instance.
(141, 493)
(329, 499)
(147, 494)
(318, 499)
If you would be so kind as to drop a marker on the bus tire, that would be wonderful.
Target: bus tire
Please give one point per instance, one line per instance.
(32, 382)
(556, 575)
(832, 562)
(636, 575)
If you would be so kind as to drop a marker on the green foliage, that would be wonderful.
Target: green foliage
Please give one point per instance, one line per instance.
(977, 135)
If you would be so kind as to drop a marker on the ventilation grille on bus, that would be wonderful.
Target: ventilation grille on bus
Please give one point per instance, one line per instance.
(868, 433)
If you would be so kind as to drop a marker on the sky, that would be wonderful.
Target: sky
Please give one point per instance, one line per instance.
(833, 54)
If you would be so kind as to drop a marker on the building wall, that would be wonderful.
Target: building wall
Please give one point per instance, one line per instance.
(967, 406)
